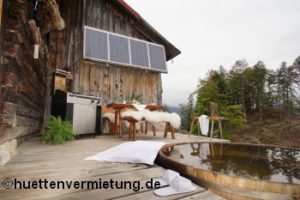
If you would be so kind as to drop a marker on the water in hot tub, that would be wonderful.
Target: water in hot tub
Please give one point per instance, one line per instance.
(254, 161)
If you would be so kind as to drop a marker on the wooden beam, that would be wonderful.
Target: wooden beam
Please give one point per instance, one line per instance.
(1, 4)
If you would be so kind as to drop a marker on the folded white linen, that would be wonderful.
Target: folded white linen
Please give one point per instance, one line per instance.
(130, 152)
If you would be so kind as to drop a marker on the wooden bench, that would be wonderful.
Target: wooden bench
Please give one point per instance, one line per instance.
(133, 117)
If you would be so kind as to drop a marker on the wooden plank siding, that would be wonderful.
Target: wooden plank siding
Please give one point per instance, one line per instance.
(65, 47)
(22, 79)
(111, 82)
(118, 83)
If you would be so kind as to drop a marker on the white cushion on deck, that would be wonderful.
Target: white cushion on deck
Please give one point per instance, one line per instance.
(130, 152)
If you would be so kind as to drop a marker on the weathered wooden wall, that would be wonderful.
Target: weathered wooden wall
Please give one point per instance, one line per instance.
(22, 79)
(118, 83)
(65, 47)
(111, 82)
(1, 4)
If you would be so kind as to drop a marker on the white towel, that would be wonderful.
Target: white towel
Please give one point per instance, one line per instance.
(204, 151)
(130, 152)
(204, 124)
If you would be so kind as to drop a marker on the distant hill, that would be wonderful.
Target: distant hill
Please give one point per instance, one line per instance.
(272, 130)
(174, 109)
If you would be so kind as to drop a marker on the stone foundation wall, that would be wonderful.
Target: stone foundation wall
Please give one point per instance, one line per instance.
(7, 150)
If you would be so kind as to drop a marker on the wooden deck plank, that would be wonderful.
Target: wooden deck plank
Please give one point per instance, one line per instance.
(141, 175)
(205, 195)
(150, 195)
(36, 160)
(134, 175)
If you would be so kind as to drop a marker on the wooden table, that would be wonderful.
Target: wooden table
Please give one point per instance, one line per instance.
(118, 107)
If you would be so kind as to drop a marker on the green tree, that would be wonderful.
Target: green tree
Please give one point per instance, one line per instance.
(186, 112)
(212, 89)
(287, 78)
(271, 85)
(237, 83)
(259, 81)
(297, 69)
(245, 90)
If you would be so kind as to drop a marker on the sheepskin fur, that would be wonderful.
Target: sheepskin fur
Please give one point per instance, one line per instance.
(137, 115)
(156, 117)
(110, 116)
(137, 125)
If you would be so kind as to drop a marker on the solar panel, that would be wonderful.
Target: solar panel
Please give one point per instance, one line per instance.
(96, 44)
(157, 57)
(100, 45)
(139, 53)
(119, 49)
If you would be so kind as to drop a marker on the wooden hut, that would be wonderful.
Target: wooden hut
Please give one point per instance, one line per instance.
(104, 79)
(42, 38)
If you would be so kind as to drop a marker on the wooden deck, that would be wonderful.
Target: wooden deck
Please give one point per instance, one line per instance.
(36, 160)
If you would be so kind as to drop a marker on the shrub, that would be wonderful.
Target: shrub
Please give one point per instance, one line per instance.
(58, 131)
(235, 120)
(234, 115)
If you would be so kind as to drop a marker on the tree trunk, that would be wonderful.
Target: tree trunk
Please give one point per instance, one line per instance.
(243, 99)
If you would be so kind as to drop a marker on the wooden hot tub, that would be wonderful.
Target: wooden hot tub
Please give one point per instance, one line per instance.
(237, 171)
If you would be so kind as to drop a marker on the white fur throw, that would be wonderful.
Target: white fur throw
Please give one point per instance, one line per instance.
(110, 116)
(156, 117)
(137, 125)
(137, 115)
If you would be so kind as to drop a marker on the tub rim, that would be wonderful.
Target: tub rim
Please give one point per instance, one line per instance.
(161, 154)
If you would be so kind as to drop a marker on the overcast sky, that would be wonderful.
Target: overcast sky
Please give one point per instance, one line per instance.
(211, 33)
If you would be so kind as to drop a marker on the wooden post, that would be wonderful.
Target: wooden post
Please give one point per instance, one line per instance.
(1, 5)
(192, 125)
(212, 129)
(154, 130)
(146, 127)
(220, 129)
